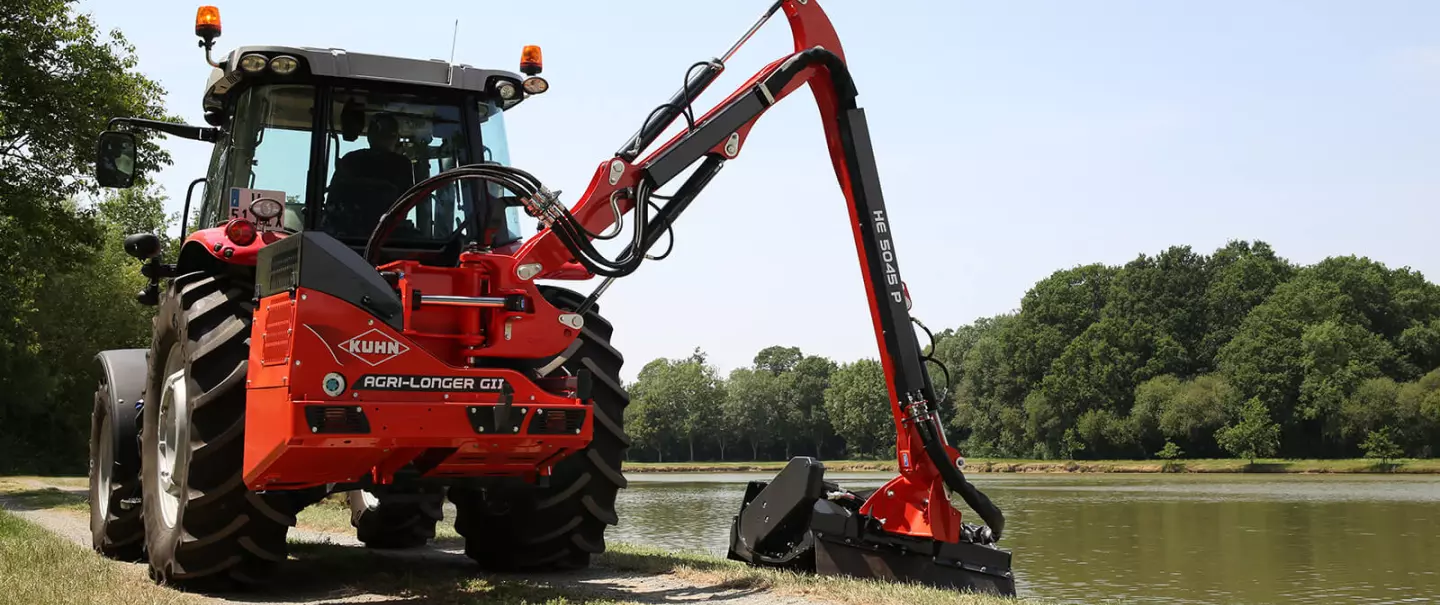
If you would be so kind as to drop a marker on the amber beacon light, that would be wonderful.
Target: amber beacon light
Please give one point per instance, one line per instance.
(530, 60)
(207, 22)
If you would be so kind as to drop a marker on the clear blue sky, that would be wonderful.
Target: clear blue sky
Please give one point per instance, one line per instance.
(1014, 138)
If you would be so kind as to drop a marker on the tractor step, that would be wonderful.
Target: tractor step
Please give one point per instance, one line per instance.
(800, 522)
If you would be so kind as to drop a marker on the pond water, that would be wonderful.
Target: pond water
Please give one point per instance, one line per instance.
(1181, 538)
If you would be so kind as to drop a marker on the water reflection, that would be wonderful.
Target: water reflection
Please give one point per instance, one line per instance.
(1147, 538)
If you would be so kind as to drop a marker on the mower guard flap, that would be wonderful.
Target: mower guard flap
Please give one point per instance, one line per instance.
(800, 522)
(773, 525)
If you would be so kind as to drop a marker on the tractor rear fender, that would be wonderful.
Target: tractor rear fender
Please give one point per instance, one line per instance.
(212, 245)
(124, 375)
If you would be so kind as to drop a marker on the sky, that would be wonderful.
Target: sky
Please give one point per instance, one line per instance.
(1014, 139)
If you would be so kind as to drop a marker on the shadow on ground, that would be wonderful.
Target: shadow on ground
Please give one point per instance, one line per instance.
(319, 573)
(43, 499)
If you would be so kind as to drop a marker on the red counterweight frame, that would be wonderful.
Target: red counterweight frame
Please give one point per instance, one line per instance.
(337, 396)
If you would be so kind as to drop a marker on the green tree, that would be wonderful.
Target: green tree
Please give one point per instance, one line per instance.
(1242, 275)
(987, 418)
(1374, 403)
(1169, 454)
(1108, 434)
(81, 312)
(701, 393)
(806, 384)
(777, 360)
(1152, 397)
(858, 403)
(752, 400)
(789, 420)
(1197, 410)
(677, 400)
(655, 416)
(1254, 436)
(1378, 444)
(1170, 451)
(62, 80)
(1336, 358)
(1417, 414)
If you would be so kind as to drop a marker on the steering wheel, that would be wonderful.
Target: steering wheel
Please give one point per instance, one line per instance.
(412, 197)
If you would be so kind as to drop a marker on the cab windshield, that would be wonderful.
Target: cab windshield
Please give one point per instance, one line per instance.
(377, 145)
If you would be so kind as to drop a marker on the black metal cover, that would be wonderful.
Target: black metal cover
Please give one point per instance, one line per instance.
(774, 521)
(322, 263)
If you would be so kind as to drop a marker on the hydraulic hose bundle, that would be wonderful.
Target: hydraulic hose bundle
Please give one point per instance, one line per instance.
(541, 203)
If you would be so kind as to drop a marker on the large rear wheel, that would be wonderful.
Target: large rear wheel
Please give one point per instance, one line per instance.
(204, 529)
(528, 528)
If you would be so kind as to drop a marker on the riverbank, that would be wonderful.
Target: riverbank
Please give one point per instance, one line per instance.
(1000, 465)
(45, 558)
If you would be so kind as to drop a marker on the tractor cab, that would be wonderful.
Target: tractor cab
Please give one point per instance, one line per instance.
(333, 138)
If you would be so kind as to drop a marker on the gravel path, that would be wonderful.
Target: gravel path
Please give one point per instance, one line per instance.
(302, 588)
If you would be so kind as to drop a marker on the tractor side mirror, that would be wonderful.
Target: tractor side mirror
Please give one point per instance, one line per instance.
(143, 246)
(115, 159)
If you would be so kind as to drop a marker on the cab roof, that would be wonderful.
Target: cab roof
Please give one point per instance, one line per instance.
(339, 63)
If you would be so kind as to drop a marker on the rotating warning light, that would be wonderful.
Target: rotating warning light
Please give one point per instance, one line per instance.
(530, 60)
(207, 22)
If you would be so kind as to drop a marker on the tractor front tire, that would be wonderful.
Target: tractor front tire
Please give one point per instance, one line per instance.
(204, 529)
(526, 528)
(116, 528)
(395, 519)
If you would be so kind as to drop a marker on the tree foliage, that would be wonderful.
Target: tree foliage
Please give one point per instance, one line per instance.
(1255, 435)
(70, 289)
(1235, 353)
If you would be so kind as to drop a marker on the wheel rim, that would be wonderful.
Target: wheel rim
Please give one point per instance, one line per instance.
(105, 468)
(173, 446)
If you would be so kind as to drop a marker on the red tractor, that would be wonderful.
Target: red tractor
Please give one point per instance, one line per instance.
(357, 312)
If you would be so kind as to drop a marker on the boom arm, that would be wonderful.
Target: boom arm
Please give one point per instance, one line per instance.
(716, 137)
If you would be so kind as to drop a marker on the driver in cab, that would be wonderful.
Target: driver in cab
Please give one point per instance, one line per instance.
(367, 181)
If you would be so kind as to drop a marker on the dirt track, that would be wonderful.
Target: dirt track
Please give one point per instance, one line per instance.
(308, 579)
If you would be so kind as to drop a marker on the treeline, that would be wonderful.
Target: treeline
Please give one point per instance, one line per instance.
(68, 288)
(1237, 353)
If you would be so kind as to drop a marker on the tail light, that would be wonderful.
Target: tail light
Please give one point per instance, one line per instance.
(241, 231)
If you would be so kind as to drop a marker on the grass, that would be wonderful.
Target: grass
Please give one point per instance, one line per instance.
(1003, 465)
(37, 566)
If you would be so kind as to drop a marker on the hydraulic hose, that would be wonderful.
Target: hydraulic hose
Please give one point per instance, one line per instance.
(955, 480)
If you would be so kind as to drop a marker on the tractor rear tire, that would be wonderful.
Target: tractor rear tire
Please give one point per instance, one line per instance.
(116, 528)
(395, 520)
(204, 529)
(526, 528)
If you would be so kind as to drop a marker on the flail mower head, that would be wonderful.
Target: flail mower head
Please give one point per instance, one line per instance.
(800, 522)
